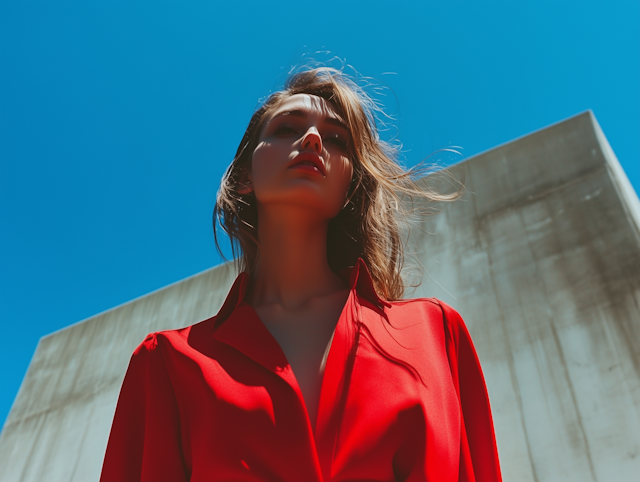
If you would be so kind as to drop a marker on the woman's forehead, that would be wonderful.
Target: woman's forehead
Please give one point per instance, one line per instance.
(309, 104)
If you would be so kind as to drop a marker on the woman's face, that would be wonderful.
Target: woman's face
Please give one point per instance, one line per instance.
(302, 157)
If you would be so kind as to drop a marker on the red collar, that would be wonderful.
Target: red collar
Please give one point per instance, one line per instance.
(238, 325)
(358, 278)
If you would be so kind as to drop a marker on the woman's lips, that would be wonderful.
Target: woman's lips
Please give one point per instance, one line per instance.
(306, 167)
(309, 162)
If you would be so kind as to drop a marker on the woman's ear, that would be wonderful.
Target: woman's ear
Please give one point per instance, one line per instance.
(244, 185)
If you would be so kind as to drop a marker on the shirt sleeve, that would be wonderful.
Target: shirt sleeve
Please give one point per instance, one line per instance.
(144, 444)
(478, 450)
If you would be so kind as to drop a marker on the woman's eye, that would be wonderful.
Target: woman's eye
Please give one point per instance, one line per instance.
(284, 130)
(337, 140)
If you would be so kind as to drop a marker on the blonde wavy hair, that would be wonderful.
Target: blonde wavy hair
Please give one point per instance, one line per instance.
(370, 226)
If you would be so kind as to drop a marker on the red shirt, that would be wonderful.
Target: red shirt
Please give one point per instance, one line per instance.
(402, 398)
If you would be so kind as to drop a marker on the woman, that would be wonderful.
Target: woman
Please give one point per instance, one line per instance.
(314, 369)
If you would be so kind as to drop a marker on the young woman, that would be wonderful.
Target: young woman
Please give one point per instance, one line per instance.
(315, 368)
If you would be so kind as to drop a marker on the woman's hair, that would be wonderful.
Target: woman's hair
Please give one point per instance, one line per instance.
(371, 223)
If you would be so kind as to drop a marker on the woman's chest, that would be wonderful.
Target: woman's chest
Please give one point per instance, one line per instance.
(377, 416)
(305, 336)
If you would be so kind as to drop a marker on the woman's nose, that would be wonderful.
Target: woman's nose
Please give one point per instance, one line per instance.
(312, 140)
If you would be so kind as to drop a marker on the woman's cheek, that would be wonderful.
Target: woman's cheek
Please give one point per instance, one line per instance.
(260, 168)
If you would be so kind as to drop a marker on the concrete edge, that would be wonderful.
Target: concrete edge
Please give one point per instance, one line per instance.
(587, 112)
(228, 264)
(620, 180)
(20, 388)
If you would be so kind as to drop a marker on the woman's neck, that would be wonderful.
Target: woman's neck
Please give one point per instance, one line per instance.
(292, 266)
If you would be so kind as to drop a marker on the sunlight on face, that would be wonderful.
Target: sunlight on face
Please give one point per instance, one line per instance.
(302, 158)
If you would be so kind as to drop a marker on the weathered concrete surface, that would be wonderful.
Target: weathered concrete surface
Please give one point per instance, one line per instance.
(541, 257)
(58, 427)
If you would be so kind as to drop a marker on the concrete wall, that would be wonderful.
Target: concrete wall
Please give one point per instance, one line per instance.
(541, 257)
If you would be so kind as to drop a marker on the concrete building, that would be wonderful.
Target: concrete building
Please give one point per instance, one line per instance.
(542, 259)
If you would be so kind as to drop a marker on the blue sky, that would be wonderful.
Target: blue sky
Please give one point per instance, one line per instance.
(117, 120)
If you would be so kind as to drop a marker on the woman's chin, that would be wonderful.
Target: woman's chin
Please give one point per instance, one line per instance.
(304, 198)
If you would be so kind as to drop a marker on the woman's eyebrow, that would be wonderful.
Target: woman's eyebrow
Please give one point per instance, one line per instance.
(302, 114)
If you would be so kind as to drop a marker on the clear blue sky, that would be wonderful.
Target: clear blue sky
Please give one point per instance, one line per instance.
(117, 120)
